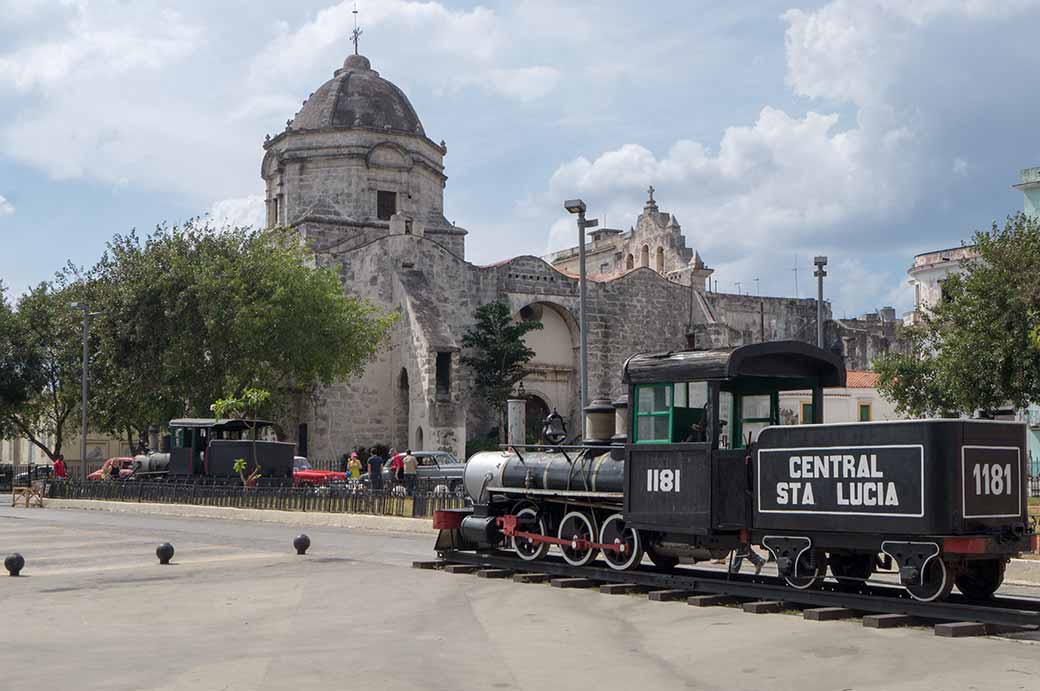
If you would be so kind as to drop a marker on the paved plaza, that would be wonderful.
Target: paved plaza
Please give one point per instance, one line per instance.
(239, 610)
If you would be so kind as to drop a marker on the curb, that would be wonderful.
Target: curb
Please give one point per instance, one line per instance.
(356, 521)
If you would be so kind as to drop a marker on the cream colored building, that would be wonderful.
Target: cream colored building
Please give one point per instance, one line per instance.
(858, 401)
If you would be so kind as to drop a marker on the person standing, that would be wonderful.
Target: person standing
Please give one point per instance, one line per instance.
(411, 467)
(354, 466)
(60, 473)
(375, 471)
(396, 466)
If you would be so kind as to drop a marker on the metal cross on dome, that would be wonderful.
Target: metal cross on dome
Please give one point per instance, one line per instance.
(356, 33)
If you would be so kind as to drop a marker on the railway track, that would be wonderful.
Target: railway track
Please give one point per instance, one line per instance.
(879, 606)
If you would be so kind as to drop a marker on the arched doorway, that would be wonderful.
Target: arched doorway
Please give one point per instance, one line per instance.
(403, 409)
(630, 263)
(660, 260)
(536, 410)
(644, 256)
(419, 441)
(554, 368)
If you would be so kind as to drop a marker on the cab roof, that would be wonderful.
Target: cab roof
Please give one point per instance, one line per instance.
(229, 425)
(796, 361)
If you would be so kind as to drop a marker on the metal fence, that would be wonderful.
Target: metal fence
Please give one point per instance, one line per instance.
(316, 499)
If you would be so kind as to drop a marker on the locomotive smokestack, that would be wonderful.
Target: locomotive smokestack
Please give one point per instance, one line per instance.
(516, 414)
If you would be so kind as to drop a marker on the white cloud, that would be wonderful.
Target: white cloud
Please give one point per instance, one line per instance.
(104, 38)
(960, 166)
(460, 48)
(6, 207)
(240, 211)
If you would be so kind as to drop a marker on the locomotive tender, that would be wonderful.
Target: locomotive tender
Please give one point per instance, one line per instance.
(709, 469)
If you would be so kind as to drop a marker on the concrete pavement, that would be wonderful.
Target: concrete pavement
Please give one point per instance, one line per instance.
(239, 610)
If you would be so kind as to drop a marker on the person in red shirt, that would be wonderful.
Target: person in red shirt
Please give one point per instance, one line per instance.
(59, 467)
(397, 465)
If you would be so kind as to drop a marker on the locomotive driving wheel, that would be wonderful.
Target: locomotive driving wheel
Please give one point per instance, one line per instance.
(936, 583)
(615, 532)
(980, 578)
(576, 526)
(525, 548)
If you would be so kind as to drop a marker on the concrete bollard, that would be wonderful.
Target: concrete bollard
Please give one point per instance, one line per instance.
(301, 543)
(516, 417)
(164, 552)
(14, 563)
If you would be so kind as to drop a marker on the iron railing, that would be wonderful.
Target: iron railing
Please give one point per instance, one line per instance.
(316, 499)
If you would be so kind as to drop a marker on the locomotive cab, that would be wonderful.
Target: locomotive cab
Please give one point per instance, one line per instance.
(695, 417)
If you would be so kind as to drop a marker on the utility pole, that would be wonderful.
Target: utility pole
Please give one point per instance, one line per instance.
(795, 269)
(738, 284)
(820, 262)
(577, 206)
(758, 288)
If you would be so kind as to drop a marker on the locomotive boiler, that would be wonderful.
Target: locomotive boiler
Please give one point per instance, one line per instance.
(707, 468)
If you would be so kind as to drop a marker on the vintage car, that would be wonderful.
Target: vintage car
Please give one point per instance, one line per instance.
(39, 472)
(125, 464)
(305, 475)
(435, 468)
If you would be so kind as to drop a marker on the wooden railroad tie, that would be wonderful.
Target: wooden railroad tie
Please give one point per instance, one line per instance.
(669, 595)
(888, 621)
(494, 573)
(622, 588)
(573, 583)
(531, 577)
(966, 629)
(829, 613)
(462, 568)
(763, 607)
(710, 600)
(429, 564)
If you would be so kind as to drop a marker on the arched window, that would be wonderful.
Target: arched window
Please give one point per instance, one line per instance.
(630, 263)
(660, 260)
(644, 257)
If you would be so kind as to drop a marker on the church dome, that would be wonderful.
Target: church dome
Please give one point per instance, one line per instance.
(357, 96)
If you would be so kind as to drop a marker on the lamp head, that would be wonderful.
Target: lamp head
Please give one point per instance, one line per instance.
(574, 206)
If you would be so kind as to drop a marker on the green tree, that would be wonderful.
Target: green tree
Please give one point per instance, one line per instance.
(193, 314)
(498, 355)
(979, 348)
(42, 348)
(247, 407)
(21, 371)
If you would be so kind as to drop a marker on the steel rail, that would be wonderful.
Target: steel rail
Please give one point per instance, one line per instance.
(999, 612)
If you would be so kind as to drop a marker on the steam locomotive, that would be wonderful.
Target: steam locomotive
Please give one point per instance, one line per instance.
(206, 448)
(709, 469)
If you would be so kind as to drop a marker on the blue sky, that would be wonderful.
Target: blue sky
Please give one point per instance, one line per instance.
(867, 130)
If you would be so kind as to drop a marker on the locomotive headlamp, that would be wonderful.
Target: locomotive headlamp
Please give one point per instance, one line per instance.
(555, 430)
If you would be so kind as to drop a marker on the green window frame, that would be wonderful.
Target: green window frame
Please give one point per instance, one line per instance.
(807, 413)
(865, 412)
(653, 412)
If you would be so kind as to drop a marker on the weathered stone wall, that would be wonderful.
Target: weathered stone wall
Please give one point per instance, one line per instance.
(751, 319)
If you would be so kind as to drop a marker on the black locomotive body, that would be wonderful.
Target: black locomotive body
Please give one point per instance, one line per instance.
(707, 469)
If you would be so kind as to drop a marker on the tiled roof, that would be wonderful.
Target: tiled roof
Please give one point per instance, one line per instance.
(861, 380)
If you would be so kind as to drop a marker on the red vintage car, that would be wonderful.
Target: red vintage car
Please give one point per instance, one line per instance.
(304, 475)
(125, 464)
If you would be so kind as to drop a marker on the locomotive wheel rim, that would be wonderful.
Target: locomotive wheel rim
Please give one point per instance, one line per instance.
(527, 550)
(979, 580)
(806, 582)
(571, 555)
(633, 553)
(934, 588)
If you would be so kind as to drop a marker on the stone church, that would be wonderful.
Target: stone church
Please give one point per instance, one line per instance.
(357, 175)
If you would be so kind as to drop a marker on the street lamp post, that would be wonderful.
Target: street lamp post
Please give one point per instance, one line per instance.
(83, 384)
(820, 262)
(577, 206)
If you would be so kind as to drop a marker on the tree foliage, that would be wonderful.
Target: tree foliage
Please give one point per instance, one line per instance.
(41, 345)
(192, 315)
(979, 348)
(497, 352)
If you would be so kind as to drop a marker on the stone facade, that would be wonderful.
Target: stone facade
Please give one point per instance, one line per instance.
(355, 174)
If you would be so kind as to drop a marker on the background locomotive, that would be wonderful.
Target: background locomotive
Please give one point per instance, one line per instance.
(709, 469)
(208, 448)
